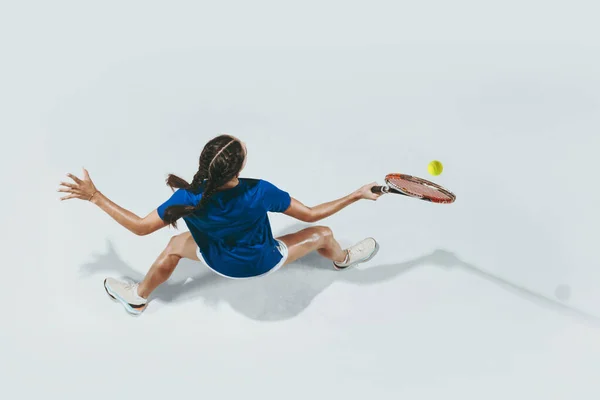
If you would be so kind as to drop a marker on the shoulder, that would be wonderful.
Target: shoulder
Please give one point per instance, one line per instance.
(183, 197)
(265, 184)
(250, 183)
(274, 198)
(264, 187)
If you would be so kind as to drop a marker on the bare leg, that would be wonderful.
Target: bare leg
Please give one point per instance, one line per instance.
(319, 238)
(180, 246)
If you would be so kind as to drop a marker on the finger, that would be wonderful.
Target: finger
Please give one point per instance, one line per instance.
(69, 185)
(76, 179)
(86, 174)
(71, 190)
(77, 193)
(71, 196)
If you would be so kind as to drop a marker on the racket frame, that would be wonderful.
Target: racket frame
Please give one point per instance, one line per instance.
(391, 188)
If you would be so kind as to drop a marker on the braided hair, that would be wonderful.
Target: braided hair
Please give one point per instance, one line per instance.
(220, 161)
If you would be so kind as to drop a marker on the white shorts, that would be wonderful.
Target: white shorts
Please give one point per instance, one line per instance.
(282, 247)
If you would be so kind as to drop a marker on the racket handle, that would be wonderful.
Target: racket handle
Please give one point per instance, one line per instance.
(379, 189)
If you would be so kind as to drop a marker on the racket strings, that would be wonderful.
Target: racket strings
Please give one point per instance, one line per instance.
(420, 189)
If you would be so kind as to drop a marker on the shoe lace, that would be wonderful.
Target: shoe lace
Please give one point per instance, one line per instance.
(131, 286)
(357, 250)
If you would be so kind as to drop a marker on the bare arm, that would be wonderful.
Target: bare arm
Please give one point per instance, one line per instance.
(85, 189)
(313, 214)
(138, 225)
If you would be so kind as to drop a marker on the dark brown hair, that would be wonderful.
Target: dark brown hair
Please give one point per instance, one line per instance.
(221, 160)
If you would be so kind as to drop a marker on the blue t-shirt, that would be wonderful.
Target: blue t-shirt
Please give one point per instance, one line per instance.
(233, 231)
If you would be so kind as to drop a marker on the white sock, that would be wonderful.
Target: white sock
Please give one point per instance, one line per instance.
(345, 259)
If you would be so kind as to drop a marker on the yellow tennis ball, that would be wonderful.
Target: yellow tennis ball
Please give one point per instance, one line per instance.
(435, 168)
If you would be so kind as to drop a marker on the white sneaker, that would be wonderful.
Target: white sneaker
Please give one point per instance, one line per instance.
(126, 294)
(361, 252)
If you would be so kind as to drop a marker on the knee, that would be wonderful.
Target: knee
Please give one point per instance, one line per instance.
(175, 246)
(323, 233)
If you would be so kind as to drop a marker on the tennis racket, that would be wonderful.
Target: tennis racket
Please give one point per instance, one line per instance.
(418, 188)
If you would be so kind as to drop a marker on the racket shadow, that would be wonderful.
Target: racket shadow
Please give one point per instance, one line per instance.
(449, 259)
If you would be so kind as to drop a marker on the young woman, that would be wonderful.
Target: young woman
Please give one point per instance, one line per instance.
(229, 229)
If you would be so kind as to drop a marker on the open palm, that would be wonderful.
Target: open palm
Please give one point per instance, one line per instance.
(83, 189)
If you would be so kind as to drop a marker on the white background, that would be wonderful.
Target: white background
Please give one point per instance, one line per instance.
(484, 298)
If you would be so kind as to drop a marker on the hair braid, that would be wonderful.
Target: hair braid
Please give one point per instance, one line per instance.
(220, 161)
(210, 189)
(198, 179)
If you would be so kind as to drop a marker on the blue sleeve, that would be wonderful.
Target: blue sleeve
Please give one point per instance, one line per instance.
(275, 199)
(179, 198)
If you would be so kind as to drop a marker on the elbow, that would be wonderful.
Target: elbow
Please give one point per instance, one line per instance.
(311, 218)
(140, 231)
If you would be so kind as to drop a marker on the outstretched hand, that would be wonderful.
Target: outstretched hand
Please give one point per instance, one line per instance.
(83, 189)
(366, 193)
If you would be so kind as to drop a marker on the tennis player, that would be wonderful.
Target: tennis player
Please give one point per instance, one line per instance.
(229, 229)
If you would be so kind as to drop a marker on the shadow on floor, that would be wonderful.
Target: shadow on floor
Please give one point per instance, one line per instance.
(289, 291)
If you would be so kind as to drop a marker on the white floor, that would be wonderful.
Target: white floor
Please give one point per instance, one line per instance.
(494, 297)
